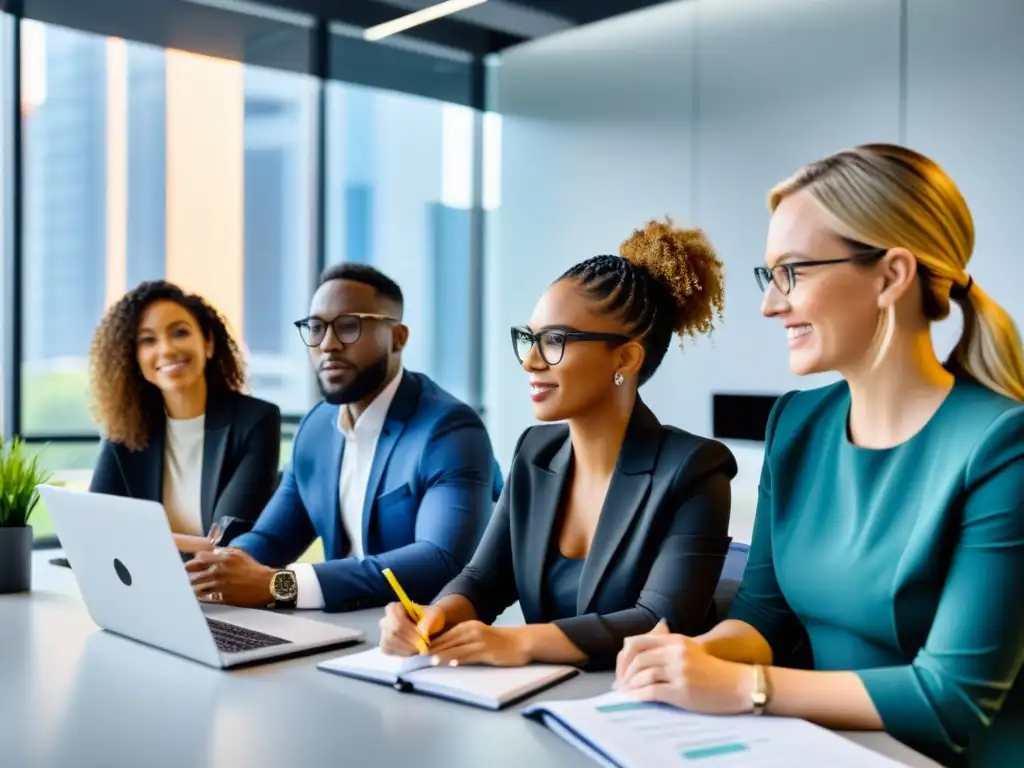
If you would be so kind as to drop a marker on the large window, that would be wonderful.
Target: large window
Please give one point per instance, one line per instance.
(234, 149)
(142, 162)
(399, 196)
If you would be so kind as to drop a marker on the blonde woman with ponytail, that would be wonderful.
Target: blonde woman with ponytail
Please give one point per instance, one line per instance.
(889, 540)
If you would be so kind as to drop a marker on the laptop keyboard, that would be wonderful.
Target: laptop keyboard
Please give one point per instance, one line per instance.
(231, 638)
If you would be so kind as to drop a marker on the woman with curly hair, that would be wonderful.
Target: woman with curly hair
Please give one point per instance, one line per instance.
(611, 521)
(166, 384)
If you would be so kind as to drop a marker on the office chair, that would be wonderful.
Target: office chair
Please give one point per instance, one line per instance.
(732, 575)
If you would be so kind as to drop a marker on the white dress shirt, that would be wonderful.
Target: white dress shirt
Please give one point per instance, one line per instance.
(356, 460)
(183, 474)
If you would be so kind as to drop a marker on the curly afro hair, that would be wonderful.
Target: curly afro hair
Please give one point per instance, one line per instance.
(666, 280)
(124, 404)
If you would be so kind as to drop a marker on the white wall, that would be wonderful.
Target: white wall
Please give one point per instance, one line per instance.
(965, 108)
(694, 109)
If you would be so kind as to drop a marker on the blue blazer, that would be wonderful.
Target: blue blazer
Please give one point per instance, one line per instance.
(431, 490)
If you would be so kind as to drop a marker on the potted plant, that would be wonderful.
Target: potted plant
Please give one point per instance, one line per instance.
(20, 474)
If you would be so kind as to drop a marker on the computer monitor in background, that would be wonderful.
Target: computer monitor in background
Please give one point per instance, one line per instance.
(740, 416)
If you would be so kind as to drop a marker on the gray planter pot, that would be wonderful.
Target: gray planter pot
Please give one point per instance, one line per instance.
(15, 559)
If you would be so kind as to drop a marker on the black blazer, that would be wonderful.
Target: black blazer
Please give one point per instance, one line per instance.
(658, 550)
(241, 450)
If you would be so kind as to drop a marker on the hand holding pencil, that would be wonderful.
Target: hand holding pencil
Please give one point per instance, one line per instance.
(407, 627)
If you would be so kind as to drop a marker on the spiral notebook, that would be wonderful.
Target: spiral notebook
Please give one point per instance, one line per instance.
(479, 686)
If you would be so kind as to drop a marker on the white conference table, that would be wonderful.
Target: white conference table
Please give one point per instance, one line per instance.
(72, 695)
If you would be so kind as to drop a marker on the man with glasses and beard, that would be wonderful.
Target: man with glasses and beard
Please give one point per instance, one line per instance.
(390, 471)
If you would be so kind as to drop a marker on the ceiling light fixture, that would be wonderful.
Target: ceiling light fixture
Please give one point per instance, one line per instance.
(416, 18)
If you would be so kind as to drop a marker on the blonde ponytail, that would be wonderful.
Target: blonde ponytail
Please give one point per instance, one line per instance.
(886, 196)
(989, 348)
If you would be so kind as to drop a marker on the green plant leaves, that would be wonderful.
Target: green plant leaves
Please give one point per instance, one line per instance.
(20, 474)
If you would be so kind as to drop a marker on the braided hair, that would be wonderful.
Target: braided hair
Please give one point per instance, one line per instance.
(123, 403)
(665, 280)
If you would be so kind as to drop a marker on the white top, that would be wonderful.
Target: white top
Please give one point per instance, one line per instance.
(356, 461)
(183, 474)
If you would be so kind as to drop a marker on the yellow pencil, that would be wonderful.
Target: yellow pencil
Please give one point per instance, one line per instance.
(410, 607)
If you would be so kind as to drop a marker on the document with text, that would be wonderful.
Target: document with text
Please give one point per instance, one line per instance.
(619, 732)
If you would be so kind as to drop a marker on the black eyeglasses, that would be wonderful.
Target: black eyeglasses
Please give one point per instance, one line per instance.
(551, 343)
(347, 328)
(784, 275)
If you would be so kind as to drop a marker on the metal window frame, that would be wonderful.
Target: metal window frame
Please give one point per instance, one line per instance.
(320, 67)
(13, 232)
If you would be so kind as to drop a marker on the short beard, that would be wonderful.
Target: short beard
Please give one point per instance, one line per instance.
(368, 380)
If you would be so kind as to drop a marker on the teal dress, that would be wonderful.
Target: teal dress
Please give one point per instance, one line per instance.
(904, 565)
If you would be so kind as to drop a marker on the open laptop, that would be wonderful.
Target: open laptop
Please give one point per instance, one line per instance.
(132, 580)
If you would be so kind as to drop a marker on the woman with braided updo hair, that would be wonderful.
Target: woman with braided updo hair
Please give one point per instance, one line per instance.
(610, 522)
(166, 385)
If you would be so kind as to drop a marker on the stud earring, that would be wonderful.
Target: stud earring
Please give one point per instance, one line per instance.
(619, 378)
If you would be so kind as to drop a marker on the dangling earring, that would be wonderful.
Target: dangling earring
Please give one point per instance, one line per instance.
(887, 334)
(619, 378)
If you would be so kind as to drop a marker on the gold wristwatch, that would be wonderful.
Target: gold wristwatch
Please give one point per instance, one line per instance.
(759, 696)
(284, 589)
